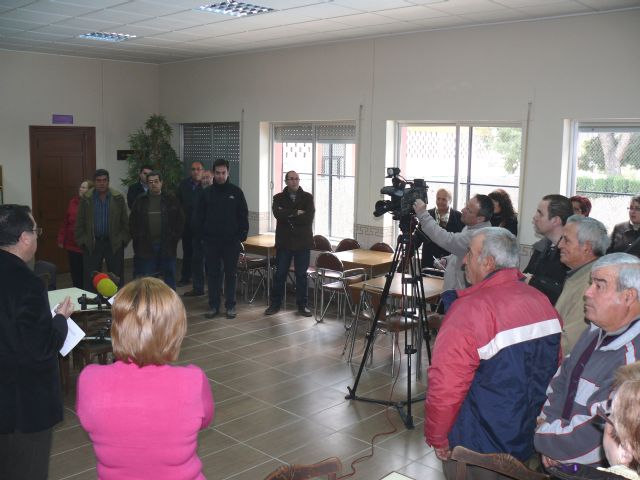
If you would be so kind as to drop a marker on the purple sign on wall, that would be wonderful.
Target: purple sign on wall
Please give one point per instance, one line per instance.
(61, 119)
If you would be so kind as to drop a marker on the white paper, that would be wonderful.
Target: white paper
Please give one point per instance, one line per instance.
(74, 334)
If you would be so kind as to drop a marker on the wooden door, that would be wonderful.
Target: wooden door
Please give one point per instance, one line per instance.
(61, 158)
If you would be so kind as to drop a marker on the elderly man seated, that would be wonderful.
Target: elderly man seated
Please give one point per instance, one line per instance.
(583, 241)
(566, 431)
(493, 358)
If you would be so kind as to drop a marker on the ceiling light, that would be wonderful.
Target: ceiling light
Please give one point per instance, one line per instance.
(235, 9)
(107, 37)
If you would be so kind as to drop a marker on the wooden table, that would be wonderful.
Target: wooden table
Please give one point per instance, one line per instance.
(263, 244)
(374, 262)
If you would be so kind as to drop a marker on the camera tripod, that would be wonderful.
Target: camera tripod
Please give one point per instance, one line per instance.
(413, 308)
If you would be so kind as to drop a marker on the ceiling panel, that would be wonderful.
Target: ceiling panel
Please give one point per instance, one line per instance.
(171, 30)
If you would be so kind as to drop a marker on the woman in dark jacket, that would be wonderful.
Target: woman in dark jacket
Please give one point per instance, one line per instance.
(503, 213)
(67, 237)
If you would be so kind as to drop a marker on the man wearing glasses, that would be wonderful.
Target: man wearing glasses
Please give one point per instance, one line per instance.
(30, 397)
(567, 432)
(187, 194)
(626, 235)
(294, 210)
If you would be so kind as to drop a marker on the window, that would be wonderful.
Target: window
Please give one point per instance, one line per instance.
(606, 168)
(204, 142)
(465, 159)
(324, 155)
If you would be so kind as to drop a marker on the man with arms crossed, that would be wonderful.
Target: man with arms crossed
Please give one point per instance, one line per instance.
(30, 395)
(566, 432)
(294, 211)
(494, 356)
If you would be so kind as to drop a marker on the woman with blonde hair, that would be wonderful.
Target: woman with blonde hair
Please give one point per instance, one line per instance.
(143, 414)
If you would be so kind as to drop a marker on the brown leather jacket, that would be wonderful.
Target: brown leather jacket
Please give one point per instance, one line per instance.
(293, 231)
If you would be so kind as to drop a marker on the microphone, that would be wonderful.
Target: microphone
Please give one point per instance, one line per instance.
(105, 286)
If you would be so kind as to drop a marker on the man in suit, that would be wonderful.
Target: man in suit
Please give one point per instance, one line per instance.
(447, 218)
(187, 194)
(30, 395)
(139, 187)
(102, 228)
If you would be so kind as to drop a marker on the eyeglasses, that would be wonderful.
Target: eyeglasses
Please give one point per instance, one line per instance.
(294, 178)
(603, 415)
(37, 231)
(633, 209)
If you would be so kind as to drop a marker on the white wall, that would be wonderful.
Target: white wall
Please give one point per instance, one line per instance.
(584, 67)
(114, 97)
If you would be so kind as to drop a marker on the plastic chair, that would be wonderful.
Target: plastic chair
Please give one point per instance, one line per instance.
(502, 463)
(382, 247)
(347, 244)
(250, 266)
(334, 280)
(330, 467)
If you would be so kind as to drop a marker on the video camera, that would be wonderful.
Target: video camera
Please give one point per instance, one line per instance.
(403, 195)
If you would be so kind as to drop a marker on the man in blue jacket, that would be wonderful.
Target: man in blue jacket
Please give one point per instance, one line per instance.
(222, 221)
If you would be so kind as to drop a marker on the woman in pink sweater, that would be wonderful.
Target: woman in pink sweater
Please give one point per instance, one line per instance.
(142, 414)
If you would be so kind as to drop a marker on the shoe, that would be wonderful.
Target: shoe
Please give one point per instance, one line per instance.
(212, 314)
(231, 312)
(193, 293)
(304, 311)
(184, 283)
(272, 309)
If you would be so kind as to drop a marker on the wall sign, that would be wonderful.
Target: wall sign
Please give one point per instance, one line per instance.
(58, 119)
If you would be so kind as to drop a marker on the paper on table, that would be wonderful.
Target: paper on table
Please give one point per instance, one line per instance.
(74, 334)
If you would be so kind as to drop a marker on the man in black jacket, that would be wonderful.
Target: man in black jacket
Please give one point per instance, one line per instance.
(156, 223)
(30, 395)
(139, 187)
(222, 221)
(187, 196)
(294, 211)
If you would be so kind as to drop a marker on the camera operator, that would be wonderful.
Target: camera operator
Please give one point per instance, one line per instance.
(475, 215)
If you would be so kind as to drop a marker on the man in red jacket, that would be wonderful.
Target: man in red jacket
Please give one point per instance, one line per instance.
(494, 356)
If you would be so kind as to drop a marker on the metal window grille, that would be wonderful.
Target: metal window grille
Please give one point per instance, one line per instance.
(205, 142)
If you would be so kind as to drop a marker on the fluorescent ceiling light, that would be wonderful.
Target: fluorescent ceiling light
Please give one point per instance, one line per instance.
(235, 9)
(107, 37)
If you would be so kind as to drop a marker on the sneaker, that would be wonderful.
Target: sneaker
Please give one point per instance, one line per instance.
(231, 312)
(272, 309)
(304, 311)
(212, 313)
(184, 283)
(193, 293)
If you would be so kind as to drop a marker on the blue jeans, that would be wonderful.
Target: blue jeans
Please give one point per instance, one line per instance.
(221, 256)
(301, 264)
(166, 266)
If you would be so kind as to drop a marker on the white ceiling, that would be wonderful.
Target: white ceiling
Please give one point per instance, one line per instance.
(171, 30)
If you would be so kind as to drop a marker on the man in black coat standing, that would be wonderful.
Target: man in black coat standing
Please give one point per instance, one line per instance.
(294, 211)
(30, 393)
(222, 221)
(187, 193)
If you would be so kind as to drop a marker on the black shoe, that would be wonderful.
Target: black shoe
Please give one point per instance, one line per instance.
(212, 314)
(304, 311)
(272, 309)
(193, 293)
(231, 313)
(184, 283)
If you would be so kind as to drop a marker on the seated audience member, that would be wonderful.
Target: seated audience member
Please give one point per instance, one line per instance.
(546, 272)
(626, 235)
(583, 242)
(475, 215)
(142, 414)
(494, 356)
(581, 205)
(566, 432)
(503, 213)
(447, 218)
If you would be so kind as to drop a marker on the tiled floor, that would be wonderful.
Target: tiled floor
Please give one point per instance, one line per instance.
(279, 385)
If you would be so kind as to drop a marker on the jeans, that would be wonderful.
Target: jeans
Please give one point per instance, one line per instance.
(301, 263)
(222, 256)
(166, 266)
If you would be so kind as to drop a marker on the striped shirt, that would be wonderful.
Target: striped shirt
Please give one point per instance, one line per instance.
(101, 214)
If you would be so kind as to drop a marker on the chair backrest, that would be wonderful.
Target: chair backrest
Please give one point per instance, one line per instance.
(347, 244)
(330, 467)
(502, 463)
(382, 247)
(329, 261)
(321, 243)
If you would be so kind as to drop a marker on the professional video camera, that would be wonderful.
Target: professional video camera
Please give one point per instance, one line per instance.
(403, 195)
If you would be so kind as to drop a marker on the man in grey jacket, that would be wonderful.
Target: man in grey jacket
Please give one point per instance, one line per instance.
(475, 215)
